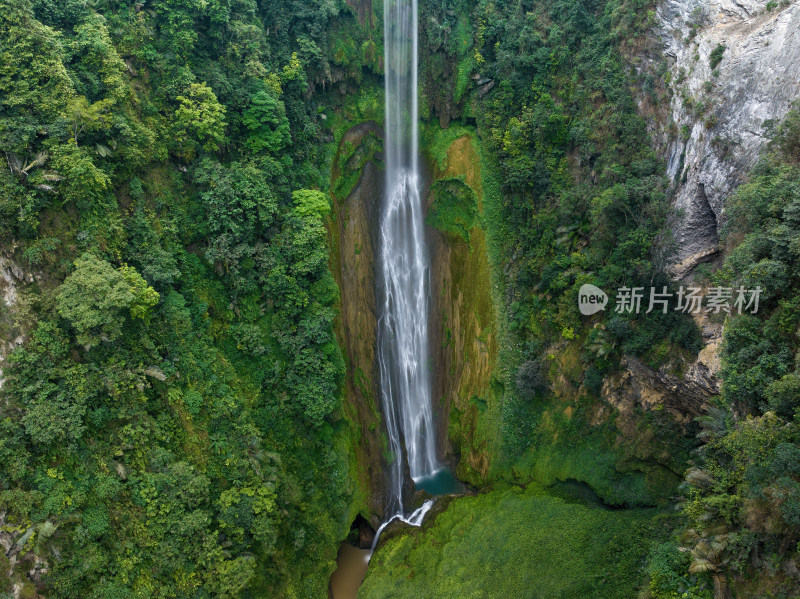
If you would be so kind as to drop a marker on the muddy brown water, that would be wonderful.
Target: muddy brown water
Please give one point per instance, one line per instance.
(351, 569)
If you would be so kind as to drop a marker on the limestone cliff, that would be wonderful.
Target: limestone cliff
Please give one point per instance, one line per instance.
(734, 67)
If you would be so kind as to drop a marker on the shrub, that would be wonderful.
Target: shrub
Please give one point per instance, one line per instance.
(716, 56)
(531, 378)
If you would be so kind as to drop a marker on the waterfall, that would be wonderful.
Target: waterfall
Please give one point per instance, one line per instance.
(403, 322)
(415, 519)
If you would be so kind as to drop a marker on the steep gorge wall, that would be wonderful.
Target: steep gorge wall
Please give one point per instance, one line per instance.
(353, 232)
(710, 131)
(734, 68)
(463, 325)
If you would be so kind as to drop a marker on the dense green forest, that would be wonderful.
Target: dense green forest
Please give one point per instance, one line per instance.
(172, 425)
(178, 415)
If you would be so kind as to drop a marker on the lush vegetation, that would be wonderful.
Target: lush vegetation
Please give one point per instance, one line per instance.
(171, 422)
(572, 193)
(171, 426)
(743, 497)
(521, 543)
(584, 198)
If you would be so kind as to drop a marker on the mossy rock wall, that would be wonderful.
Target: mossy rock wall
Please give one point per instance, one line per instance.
(630, 460)
(517, 542)
(463, 321)
(357, 185)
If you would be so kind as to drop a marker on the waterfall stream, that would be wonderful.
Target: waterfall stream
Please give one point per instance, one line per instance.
(403, 301)
(405, 267)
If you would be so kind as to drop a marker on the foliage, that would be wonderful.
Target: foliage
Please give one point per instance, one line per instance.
(199, 121)
(744, 496)
(582, 196)
(490, 544)
(266, 123)
(97, 298)
(667, 568)
(716, 56)
(760, 350)
(455, 208)
(171, 426)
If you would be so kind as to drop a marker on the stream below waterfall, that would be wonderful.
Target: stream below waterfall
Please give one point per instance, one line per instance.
(351, 568)
(352, 562)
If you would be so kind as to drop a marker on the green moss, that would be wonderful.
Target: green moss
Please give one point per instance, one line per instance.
(366, 105)
(350, 161)
(436, 141)
(471, 347)
(464, 69)
(516, 543)
(455, 207)
(462, 44)
(565, 443)
(5, 581)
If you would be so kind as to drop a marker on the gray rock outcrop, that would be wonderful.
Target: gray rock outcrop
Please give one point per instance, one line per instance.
(12, 277)
(735, 68)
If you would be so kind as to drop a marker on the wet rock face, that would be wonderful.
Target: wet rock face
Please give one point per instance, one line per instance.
(735, 68)
(365, 532)
(463, 331)
(354, 240)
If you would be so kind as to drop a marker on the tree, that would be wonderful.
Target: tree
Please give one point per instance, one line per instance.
(83, 116)
(267, 125)
(97, 299)
(239, 204)
(199, 121)
(53, 390)
(177, 21)
(32, 75)
(311, 203)
(84, 184)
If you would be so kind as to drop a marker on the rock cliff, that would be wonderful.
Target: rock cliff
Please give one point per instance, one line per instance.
(12, 276)
(354, 241)
(734, 69)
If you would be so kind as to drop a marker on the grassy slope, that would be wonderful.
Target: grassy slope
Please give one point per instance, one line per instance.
(517, 543)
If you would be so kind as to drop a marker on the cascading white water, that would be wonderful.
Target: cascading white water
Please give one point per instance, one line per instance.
(415, 519)
(403, 323)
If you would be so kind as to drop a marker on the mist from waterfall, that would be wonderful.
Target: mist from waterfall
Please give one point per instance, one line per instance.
(405, 264)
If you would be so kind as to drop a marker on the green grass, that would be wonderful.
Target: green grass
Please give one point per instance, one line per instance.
(517, 544)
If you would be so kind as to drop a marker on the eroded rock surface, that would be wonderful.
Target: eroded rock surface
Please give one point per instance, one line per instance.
(354, 245)
(12, 277)
(735, 69)
(463, 330)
